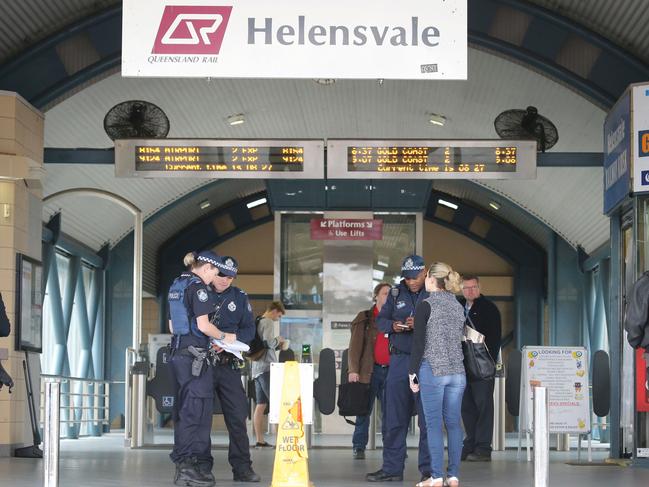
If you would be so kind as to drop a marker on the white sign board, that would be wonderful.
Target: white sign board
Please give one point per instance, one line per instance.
(412, 39)
(306, 391)
(564, 372)
(640, 137)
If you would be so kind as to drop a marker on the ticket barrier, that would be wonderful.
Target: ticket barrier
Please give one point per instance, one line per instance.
(162, 389)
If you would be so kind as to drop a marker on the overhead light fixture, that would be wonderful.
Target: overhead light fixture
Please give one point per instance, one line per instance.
(494, 205)
(436, 119)
(258, 202)
(205, 204)
(237, 119)
(448, 204)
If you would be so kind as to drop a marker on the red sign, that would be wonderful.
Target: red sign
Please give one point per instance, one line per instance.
(186, 29)
(346, 229)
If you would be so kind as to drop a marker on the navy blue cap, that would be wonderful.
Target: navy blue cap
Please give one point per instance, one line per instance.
(209, 257)
(228, 266)
(412, 266)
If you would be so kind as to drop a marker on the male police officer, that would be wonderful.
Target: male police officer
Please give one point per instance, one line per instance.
(233, 314)
(397, 319)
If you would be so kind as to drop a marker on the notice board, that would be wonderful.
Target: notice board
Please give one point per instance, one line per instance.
(564, 371)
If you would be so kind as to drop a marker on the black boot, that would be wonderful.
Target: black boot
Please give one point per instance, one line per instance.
(189, 475)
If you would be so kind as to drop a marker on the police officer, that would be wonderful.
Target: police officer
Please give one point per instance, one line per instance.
(397, 319)
(233, 314)
(189, 307)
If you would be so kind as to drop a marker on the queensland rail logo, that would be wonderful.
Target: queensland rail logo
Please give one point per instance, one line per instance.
(190, 31)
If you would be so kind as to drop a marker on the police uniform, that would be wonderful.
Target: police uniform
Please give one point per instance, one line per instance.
(189, 298)
(233, 314)
(399, 399)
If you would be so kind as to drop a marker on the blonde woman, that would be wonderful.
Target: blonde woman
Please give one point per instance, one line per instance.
(437, 367)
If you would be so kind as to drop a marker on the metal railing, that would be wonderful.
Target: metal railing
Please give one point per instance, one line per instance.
(84, 404)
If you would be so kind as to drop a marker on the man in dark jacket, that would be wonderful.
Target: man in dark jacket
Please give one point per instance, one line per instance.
(636, 319)
(477, 404)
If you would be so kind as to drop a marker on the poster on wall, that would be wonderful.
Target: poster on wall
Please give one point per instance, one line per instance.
(564, 372)
(29, 304)
(640, 139)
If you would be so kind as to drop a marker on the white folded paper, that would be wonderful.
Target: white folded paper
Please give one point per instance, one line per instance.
(235, 348)
(472, 335)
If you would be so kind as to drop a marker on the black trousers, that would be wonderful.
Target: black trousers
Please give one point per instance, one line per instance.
(228, 387)
(192, 413)
(478, 416)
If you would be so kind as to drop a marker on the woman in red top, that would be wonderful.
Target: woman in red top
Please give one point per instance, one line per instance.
(368, 361)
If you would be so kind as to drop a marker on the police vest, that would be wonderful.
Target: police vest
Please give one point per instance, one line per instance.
(180, 321)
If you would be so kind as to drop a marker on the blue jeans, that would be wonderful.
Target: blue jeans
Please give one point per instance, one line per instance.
(377, 389)
(441, 397)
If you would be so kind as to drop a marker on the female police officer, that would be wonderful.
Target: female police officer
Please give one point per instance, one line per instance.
(189, 306)
(233, 314)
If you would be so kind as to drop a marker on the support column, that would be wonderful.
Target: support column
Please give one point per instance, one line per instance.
(21, 170)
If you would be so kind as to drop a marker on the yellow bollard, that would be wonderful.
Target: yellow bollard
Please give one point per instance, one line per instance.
(291, 467)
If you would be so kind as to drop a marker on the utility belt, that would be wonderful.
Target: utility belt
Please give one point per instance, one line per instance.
(226, 359)
(200, 356)
(396, 351)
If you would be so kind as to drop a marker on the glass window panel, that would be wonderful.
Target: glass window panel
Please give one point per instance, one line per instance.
(63, 267)
(399, 241)
(301, 264)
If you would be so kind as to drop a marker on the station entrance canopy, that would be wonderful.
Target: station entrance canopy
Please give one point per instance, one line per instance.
(335, 39)
(345, 159)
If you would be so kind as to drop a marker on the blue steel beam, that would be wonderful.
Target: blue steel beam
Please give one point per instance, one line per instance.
(107, 156)
(40, 76)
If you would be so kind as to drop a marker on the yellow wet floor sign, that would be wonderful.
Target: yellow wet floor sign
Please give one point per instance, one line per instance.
(291, 467)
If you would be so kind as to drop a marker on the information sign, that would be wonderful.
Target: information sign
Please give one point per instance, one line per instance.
(202, 158)
(564, 372)
(431, 159)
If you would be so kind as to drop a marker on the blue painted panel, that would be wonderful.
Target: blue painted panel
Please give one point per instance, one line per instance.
(349, 194)
(617, 154)
(544, 37)
(107, 36)
(481, 14)
(119, 318)
(26, 79)
(613, 74)
(569, 294)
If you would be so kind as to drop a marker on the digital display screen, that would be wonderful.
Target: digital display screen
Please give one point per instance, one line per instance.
(220, 158)
(395, 159)
(225, 158)
(431, 159)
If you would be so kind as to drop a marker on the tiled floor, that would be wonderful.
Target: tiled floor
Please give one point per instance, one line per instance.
(105, 462)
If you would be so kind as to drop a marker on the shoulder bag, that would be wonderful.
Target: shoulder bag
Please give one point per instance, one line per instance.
(477, 360)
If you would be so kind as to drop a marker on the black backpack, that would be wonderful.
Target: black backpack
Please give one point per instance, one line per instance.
(257, 346)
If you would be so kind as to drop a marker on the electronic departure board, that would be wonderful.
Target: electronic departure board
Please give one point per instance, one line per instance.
(431, 159)
(203, 158)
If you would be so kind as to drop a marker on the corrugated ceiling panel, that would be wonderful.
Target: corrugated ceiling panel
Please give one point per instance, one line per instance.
(481, 196)
(624, 22)
(347, 109)
(569, 200)
(26, 22)
(94, 221)
(163, 226)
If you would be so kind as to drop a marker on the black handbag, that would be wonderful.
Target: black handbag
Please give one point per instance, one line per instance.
(353, 400)
(477, 360)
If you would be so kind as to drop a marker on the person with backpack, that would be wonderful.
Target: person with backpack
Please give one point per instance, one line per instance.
(262, 354)
(368, 360)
